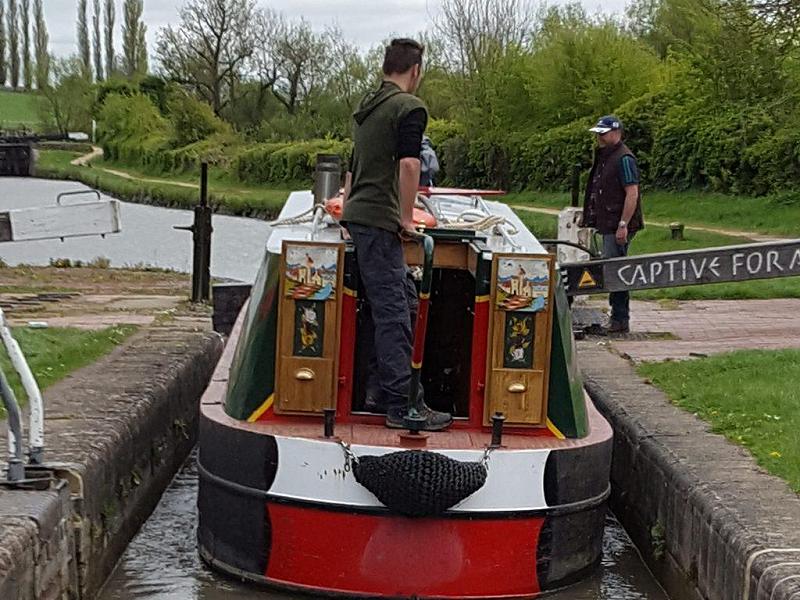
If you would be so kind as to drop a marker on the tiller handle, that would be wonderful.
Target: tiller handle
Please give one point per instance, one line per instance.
(414, 419)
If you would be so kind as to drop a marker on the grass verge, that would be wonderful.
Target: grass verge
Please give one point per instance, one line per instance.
(772, 215)
(655, 239)
(54, 353)
(748, 396)
(226, 195)
(19, 109)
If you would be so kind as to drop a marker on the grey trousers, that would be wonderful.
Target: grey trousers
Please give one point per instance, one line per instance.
(393, 305)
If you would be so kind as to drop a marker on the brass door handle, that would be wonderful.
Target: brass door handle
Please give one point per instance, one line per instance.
(304, 374)
(517, 388)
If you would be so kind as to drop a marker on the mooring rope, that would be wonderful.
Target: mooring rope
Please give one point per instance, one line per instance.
(306, 216)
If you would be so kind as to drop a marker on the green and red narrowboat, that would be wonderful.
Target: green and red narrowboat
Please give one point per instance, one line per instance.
(303, 489)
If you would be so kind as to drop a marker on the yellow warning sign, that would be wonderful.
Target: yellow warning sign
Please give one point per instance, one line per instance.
(586, 280)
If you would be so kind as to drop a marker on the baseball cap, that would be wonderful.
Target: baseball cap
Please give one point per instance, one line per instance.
(606, 124)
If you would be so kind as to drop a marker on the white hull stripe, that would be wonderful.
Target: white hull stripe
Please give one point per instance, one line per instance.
(314, 471)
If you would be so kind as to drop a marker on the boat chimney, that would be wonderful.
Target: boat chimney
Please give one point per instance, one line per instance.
(327, 177)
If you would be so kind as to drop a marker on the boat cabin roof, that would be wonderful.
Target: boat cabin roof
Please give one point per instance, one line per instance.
(515, 236)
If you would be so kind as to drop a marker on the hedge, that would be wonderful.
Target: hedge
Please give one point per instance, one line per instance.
(286, 161)
(733, 148)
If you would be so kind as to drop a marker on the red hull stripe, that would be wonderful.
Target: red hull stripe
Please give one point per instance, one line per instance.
(400, 557)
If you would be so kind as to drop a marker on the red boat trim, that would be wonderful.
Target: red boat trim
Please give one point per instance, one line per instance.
(480, 340)
(347, 354)
(266, 583)
(348, 553)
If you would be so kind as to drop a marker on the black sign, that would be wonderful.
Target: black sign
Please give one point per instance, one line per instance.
(675, 269)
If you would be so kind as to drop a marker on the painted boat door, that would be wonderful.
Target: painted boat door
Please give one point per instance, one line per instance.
(309, 315)
(520, 338)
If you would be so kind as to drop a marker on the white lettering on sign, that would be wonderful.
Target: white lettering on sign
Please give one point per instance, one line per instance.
(738, 261)
(711, 267)
(772, 261)
(795, 260)
(754, 263)
(655, 270)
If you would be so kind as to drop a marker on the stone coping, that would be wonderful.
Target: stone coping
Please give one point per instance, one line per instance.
(710, 523)
(116, 431)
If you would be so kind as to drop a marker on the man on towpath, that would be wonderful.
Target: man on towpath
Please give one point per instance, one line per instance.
(613, 206)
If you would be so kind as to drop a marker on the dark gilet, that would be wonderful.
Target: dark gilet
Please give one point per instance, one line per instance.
(374, 199)
(605, 212)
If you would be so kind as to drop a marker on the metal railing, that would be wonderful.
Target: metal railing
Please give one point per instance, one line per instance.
(36, 422)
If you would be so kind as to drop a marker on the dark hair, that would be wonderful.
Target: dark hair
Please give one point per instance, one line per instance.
(401, 55)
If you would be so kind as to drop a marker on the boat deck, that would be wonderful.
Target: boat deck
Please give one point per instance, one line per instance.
(379, 435)
(376, 434)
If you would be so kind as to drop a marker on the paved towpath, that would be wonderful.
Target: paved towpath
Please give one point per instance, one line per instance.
(703, 327)
(750, 235)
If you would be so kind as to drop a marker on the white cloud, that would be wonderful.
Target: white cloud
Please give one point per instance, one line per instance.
(365, 22)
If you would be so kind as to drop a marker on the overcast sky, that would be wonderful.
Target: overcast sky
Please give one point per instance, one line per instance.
(365, 22)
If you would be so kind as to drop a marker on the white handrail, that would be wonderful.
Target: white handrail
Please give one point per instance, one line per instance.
(36, 426)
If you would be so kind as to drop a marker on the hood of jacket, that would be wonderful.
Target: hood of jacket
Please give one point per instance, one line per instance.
(374, 100)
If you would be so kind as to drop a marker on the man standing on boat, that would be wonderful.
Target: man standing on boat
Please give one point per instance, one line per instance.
(613, 206)
(380, 191)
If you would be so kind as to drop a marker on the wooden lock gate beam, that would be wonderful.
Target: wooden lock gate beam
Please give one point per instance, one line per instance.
(675, 269)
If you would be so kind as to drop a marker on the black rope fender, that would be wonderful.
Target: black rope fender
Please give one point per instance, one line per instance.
(417, 483)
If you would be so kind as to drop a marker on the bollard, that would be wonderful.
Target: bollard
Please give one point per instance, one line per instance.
(330, 421)
(498, 419)
(677, 231)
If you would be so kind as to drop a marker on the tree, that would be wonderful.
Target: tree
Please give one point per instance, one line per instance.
(302, 61)
(41, 41)
(27, 67)
(209, 48)
(97, 42)
(84, 50)
(476, 33)
(669, 25)
(12, 25)
(68, 101)
(134, 44)
(110, 17)
(3, 65)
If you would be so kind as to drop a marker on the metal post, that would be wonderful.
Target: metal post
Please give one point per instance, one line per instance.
(576, 184)
(498, 419)
(330, 421)
(201, 236)
(16, 469)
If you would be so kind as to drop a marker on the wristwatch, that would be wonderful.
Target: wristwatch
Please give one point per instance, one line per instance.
(622, 224)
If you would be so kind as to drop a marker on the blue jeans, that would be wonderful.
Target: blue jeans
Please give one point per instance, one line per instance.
(392, 301)
(619, 301)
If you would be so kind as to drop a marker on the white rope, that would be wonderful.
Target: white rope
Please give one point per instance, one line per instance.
(478, 221)
(304, 217)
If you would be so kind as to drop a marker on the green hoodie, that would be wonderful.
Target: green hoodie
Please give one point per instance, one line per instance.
(374, 199)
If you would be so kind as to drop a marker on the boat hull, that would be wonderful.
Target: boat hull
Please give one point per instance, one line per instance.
(280, 509)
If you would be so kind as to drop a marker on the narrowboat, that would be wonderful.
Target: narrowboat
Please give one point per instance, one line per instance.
(303, 489)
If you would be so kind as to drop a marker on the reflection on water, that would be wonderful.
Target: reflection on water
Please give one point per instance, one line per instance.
(147, 235)
(162, 562)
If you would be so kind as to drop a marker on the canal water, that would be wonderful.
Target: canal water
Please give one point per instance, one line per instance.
(147, 236)
(162, 562)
